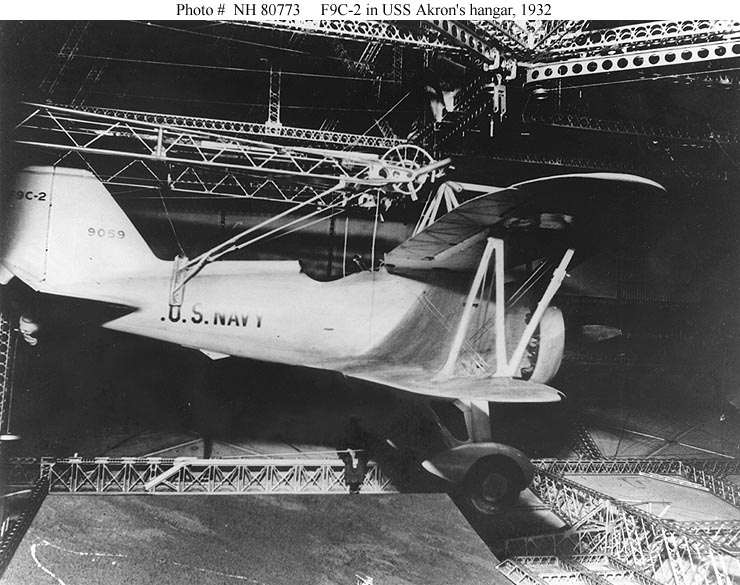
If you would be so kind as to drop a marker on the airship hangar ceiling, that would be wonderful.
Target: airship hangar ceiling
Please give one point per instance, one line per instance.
(652, 326)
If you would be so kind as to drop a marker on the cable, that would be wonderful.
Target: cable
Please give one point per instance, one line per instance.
(327, 108)
(220, 68)
(375, 232)
(374, 124)
(250, 43)
(344, 250)
(172, 226)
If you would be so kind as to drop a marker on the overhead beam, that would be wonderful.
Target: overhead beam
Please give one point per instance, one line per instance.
(73, 131)
(465, 35)
(642, 36)
(358, 30)
(657, 59)
(304, 135)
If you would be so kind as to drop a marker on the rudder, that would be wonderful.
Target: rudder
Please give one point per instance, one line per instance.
(61, 227)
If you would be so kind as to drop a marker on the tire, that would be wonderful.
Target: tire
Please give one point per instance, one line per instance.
(492, 485)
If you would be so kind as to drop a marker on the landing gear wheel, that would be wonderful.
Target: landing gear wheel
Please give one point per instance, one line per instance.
(492, 485)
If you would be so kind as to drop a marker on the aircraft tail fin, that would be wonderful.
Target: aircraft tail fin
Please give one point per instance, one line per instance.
(60, 227)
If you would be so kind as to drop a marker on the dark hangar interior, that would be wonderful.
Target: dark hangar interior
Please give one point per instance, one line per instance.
(651, 365)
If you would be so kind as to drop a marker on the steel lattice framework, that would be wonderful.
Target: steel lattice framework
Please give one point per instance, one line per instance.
(726, 533)
(7, 355)
(205, 476)
(642, 36)
(583, 443)
(359, 30)
(634, 60)
(660, 549)
(716, 468)
(148, 154)
(243, 129)
(591, 569)
(525, 39)
(12, 533)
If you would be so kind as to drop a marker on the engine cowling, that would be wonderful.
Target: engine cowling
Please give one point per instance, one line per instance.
(545, 349)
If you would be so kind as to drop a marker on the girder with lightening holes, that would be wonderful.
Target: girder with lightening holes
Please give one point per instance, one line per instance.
(104, 475)
(642, 36)
(162, 152)
(464, 100)
(523, 39)
(465, 34)
(358, 30)
(238, 128)
(662, 550)
(631, 60)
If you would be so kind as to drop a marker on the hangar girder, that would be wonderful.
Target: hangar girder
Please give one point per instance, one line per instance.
(594, 569)
(523, 39)
(657, 60)
(156, 153)
(717, 468)
(662, 550)
(360, 30)
(156, 475)
(641, 36)
(13, 531)
(8, 341)
(240, 128)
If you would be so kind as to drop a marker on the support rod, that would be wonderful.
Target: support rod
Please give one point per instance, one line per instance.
(557, 279)
(462, 328)
(500, 306)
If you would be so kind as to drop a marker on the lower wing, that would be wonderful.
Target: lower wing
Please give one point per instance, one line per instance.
(419, 380)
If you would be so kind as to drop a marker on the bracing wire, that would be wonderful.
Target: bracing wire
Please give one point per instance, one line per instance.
(375, 232)
(172, 225)
(344, 249)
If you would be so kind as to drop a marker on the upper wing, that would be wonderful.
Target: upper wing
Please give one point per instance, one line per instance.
(422, 381)
(536, 214)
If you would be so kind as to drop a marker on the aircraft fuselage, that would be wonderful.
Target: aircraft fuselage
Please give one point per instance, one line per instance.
(275, 315)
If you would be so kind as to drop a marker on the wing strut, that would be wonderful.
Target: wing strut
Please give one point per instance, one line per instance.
(557, 279)
(505, 367)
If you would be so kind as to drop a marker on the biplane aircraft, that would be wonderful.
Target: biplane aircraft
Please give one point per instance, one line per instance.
(446, 317)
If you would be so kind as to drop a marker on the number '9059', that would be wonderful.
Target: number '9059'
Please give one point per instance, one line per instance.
(103, 233)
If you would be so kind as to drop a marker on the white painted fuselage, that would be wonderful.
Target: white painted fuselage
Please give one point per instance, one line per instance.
(270, 311)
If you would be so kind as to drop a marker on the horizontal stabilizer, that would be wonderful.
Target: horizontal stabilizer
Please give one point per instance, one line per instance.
(487, 388)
